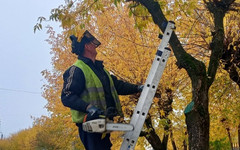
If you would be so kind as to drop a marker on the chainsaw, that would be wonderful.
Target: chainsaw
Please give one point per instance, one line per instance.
(104, 125)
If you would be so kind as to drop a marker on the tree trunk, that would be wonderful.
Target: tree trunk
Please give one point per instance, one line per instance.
(198, 130)
(197, 117)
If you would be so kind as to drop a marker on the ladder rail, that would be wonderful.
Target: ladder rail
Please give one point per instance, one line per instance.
(149, 90)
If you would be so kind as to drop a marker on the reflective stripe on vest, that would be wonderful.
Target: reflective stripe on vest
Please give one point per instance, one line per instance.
(94, 92)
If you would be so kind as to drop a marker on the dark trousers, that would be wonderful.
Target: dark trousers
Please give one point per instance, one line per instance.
(94, 141)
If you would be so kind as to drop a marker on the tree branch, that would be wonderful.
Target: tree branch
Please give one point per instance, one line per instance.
(219, 9)
(185, 60)
(151, 135)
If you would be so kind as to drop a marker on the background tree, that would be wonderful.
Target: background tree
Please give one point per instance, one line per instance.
(230, 59)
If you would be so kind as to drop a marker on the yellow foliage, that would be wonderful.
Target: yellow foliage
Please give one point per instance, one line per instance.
(162, 113)
(129, 44)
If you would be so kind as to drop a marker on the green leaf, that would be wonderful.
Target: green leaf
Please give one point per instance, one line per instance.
(41, 19)
(38, 26)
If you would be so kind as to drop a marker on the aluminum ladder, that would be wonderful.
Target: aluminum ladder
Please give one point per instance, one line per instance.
(149, 90)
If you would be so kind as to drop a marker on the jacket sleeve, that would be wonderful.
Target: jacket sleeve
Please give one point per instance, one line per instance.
(73, 86)
(124, 88)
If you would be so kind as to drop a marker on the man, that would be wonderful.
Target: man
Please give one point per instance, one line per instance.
(90, 91)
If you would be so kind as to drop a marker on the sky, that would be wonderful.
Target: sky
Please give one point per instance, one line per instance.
(23, 55)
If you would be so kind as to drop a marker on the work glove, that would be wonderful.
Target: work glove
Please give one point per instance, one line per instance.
(93, 113)
(111, 112)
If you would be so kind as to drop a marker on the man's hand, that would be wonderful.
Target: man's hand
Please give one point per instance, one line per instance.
(93, 113)
(111, 112)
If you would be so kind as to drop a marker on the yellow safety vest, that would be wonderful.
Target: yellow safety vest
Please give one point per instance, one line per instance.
(94, 92)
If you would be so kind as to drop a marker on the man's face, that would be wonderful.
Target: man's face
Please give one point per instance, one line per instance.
(91, 48)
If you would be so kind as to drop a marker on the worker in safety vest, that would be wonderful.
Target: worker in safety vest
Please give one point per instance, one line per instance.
(90, 91)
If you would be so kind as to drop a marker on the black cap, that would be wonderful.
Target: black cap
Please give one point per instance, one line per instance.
(78, 47)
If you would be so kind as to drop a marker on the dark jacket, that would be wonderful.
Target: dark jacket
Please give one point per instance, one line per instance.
(74, 84)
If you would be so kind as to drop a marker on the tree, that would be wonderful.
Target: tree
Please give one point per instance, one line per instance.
(202, 77)
(230, 59)
(24, 139)
(197, 115)
(223, 107)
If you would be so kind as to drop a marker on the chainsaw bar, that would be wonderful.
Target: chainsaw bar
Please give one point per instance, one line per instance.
(119, 127)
